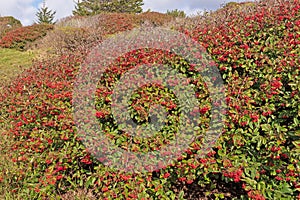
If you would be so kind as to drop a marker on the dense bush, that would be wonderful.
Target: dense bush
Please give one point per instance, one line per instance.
(257, 52)
(109, 23)
(155, 18)
(112, 23)
(77, 32)
(77, 22)
(20, 37)
(8, 23)
(258, 55)
(63, 40)
(176, 13)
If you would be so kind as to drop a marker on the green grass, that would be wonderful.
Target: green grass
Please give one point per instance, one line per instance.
(13, 62)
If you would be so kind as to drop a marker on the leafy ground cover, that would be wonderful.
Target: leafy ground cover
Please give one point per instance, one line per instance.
(18, 38)
(257, 156)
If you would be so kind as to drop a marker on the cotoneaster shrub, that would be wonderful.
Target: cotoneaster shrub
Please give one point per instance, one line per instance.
(112, 23)
(20, 37)
(8, 23)
(257, 154)
(155, 18)
(258, 56)
(78, 32)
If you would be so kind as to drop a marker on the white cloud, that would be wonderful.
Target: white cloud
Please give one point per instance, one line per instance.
(25, 10)
(189, 6)
(63, 8)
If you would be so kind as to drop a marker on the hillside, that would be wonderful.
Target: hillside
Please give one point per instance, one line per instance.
(8, 23)
(246, 134)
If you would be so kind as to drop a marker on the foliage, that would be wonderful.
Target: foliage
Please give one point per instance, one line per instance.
(8, 23)
(64, 40)
(258, 57)
(231, 4)
(44, 15)
(77, 33)
(257, 52)
(155, 18)
(176, 13)
(94, 7)
(112, 23)
(77, 22)
(20, 37)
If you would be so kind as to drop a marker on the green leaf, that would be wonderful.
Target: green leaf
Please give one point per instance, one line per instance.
(181, 194)
(296, 121)
(286, 189)
(266, 127)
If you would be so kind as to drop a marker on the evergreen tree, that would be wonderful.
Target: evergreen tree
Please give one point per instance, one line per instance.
(80, 9)
(44, 15)
(176, 13)
(94, 7)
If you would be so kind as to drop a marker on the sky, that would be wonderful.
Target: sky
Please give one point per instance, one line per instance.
(25, 10)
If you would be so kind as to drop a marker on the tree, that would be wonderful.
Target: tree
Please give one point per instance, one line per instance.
(94, 7)
(176, 13)
(44, 15)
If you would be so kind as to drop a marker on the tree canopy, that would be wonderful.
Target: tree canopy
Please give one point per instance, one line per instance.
(176, 13)
(45, 15)
(94, 7)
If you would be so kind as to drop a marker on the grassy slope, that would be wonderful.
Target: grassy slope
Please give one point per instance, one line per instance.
(12, 62)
